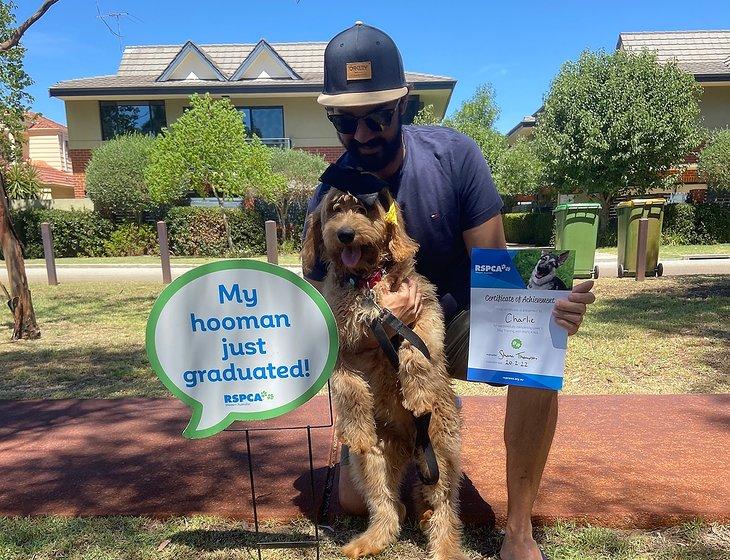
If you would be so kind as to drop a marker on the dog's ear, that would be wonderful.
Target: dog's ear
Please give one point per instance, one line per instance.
(562, 257)
(312, 240)
(401, 247)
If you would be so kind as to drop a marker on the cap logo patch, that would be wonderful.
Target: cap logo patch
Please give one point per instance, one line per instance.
(359, 70)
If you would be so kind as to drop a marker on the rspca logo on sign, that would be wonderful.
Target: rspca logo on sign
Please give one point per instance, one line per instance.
(490, 268)
(246, 398)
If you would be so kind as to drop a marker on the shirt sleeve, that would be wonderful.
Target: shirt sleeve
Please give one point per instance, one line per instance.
(319, 270)
(478, 194)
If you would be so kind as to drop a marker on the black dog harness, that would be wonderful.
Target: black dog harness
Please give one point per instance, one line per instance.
(390, 348)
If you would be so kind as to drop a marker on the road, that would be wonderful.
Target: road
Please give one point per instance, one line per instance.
(148, 273)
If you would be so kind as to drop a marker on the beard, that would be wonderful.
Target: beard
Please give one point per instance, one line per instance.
(387, 152)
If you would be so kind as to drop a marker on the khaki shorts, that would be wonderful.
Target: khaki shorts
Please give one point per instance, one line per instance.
(456, 347)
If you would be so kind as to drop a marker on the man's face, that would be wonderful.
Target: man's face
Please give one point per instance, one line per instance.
(373, 149)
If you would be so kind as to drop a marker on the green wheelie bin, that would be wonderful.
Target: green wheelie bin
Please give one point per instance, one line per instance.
(629, 213)
(576, 229)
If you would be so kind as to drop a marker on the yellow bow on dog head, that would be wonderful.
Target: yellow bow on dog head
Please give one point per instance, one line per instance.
(391, 216)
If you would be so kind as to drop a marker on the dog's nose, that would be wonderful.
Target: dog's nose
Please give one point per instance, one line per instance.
(346, 235)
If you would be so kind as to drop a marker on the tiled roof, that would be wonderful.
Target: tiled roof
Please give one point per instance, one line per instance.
(38, 122)
(142, 65)
(703, 53)
(51, 176)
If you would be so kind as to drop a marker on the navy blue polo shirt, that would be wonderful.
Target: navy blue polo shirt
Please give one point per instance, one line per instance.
(444, 187)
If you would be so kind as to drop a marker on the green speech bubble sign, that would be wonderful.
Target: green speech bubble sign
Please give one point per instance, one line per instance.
(318, 330)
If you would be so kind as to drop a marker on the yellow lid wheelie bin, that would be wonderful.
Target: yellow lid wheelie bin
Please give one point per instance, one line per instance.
(629, 213)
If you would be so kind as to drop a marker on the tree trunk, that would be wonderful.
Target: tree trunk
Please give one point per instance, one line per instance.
(604, 215)
(21, 304)
(282, 210)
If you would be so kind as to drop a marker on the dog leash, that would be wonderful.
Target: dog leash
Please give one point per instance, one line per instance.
(423, 441)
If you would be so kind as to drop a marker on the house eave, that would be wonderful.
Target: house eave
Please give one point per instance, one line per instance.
(232, 89)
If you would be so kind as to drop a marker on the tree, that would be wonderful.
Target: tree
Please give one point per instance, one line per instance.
(519, 170)
(206, 151)
(615, 124)
(299, 173)
(115, 176)
(426, 115)
(714, 161)
(14, 102)
(22, 181)
(475, 118)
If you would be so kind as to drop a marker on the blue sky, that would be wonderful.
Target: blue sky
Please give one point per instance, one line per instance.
(517, 46)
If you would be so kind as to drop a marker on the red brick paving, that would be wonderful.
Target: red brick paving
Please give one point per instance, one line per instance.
(622, 461)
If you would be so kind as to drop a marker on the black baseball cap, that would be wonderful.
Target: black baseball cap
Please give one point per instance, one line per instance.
(362, 185)
(362, 66)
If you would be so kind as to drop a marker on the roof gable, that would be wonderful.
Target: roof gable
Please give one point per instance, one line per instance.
(263, 62)
(191, 63)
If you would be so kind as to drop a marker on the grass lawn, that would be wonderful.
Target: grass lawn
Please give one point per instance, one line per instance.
(665, 335)
(126, 538)
(286, 259)
(674, 252)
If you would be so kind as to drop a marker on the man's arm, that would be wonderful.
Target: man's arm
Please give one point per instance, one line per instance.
(568, 314)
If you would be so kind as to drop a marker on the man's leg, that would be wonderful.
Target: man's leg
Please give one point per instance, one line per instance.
(528, 433)
(350, 499)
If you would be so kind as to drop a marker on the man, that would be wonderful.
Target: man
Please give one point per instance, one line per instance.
(450, 205)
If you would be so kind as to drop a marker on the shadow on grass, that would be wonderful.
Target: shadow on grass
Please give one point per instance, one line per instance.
(696, 305)
(91, 371)
(213, 540)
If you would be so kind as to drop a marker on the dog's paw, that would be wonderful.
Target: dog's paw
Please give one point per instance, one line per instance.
(362, 546)
(418, 406)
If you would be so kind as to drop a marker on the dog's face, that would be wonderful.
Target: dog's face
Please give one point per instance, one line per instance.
(356, 238)
(548, 263)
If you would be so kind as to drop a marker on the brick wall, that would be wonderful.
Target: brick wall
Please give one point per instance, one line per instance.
(329, 153)
(79, 160)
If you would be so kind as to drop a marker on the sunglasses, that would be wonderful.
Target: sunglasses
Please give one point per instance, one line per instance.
(377, 121)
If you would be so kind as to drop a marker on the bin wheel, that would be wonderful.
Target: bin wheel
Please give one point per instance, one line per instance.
(659, 269)
(620, 271)
(595, 271)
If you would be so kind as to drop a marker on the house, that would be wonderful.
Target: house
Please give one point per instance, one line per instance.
(274, 86)
(46, 147)
(706, 55)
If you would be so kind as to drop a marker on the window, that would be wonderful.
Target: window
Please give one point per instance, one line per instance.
(264, 122)
(124, 117)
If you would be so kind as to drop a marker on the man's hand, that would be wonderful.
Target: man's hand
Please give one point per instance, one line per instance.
(569, 313)
(405, 303)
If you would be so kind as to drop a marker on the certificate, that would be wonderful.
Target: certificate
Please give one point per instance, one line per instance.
(513, 337)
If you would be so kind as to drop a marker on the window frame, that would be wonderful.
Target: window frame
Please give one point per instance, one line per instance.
(241, 108)
(141, 103)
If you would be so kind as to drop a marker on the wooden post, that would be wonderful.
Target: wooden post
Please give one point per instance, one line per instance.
(47, 236)
(164, 252)
(641, 249)
(272, 244)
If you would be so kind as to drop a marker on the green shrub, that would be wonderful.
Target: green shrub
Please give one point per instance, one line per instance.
(528, 229)
(678, 227)
(131, 240)
(195, 231)
(115, 177)
(75, 233)
(714, 219)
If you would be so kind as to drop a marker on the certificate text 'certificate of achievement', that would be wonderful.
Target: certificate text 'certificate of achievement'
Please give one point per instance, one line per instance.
(513, 337)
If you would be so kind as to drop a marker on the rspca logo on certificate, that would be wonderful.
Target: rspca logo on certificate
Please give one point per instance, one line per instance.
(241, 340)
(513, 337)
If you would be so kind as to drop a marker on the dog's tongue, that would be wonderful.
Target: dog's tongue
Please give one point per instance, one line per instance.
(350, 256)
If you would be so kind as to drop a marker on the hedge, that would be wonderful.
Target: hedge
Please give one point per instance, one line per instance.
(528, 229)
(200, 232)
(75, 233)
(689, 224)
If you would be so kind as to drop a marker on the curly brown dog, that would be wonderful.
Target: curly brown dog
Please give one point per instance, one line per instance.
(375, 403)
